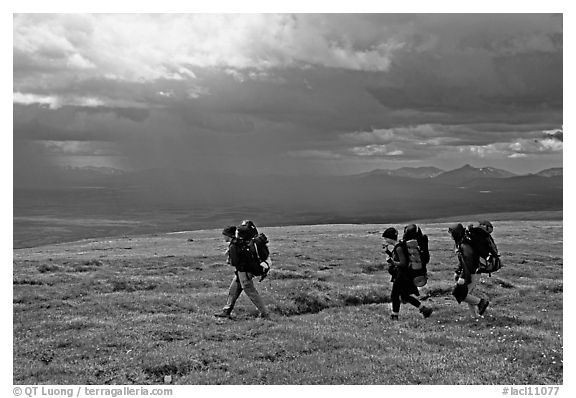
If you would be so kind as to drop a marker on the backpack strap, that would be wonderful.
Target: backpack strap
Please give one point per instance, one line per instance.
(256, 249)
(258, 254)
(401, 244)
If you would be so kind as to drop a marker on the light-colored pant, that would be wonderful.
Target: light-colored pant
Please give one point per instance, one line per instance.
(472, 300)
(243, 282)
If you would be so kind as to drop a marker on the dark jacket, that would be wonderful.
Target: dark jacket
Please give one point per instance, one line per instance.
(238, 255)
(468, 261)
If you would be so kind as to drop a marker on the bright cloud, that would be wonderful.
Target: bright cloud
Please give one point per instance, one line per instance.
(76, 148)
(345, 89)
(425, 132)
(27, 99)
(518, 149)
(58, 101)
(146, 47)
(376, 150)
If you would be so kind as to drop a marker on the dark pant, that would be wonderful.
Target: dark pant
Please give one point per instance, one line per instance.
(403, 288)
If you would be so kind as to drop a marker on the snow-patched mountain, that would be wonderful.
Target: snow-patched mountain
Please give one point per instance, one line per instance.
(408, 172)
(553, 172)
(468, 173)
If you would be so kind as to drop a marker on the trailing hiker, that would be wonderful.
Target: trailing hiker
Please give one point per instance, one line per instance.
(467, 274)
(482, 240)
(248, 254)
(407, 267)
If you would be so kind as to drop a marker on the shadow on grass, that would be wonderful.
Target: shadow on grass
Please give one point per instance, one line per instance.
(178, 368)
(27, 282)
(316, 299)
(43, 268)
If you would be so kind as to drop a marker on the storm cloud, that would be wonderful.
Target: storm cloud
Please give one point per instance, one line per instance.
(299, 93)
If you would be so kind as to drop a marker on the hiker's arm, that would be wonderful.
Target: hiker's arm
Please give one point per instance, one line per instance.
(466, 258)
(402, 260)
(493, 246)
(460, 267)
(233, 256)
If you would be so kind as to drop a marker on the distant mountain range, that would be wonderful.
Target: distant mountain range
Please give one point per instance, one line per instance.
(462, 174)
(173, 199)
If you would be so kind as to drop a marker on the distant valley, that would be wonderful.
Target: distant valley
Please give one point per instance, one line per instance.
(82, 203)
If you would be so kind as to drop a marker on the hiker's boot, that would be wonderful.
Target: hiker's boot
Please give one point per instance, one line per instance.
(426, 311)
(394, 317)
(222, 314)
(482, 305)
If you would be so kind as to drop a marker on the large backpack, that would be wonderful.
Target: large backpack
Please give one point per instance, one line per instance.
(485, 247)
(415, 262)
(254, 254)
(259, 245)
(423, 246)
(418, 257)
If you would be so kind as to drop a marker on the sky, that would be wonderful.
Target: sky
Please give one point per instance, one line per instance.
(287, 93)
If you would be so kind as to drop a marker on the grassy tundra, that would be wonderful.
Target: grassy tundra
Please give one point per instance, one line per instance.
(135, 309)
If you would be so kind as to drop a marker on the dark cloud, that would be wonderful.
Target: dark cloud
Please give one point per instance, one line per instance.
(291, 91)
(40, 123)
(518, 84)
(556, 135)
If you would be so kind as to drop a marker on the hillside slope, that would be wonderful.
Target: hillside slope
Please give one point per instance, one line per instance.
(132, 310)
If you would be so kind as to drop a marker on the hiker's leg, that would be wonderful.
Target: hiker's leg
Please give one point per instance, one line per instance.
(472, 286)
(411, 300)
(251, 292)
(395, 297)
(425, 311)
(233, 294)
(471, 299)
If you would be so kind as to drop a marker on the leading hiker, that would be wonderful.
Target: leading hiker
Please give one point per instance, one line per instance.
(240, 258)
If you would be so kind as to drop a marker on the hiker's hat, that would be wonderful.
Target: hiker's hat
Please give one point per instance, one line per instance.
(410, 232)
(229, 231)
(247, 230)
(487, 224)
(390, 233)
(457, 231)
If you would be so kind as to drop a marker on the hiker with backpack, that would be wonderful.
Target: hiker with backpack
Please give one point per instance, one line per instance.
(486, 226)
(407, 262)
(467, 274)
(248, 254)
(482, 239)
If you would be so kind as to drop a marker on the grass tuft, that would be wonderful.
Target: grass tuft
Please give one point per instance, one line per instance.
(310, 302)
(503, 283)
(27, 282)
(43, 268)
(178, 368)
(131, 286)
(371, 268)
